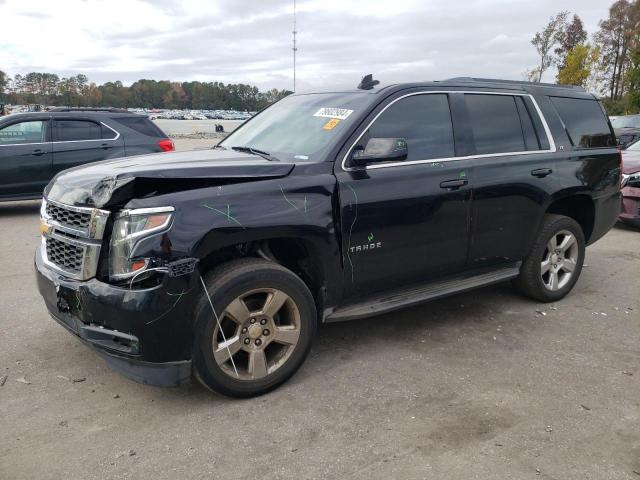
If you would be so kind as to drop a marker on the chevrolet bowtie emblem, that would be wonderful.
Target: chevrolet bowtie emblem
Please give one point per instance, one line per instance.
(44, 227)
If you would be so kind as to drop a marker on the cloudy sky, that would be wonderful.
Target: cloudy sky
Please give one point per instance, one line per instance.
(250, 40)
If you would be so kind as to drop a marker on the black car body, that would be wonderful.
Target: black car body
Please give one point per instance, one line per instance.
(365, 230)
(34, 147)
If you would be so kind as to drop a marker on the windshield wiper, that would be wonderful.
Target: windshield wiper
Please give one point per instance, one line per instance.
(255, 151)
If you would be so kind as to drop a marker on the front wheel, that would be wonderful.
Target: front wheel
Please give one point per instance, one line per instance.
(555, 261)
(257, 329)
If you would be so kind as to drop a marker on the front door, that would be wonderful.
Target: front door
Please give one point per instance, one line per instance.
(25, 158)
(406, 222)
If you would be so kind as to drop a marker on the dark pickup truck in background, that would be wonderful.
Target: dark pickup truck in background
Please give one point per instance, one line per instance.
(325, 207)
(34, 147)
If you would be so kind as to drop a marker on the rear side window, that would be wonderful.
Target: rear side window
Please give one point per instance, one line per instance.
(76, 130)
(531, 140)
(424, 121)
(141, 125)
(495, 123)
(584, 121)
(23, 132)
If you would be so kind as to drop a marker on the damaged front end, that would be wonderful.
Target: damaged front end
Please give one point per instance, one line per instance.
(109, 271)
(125, 320)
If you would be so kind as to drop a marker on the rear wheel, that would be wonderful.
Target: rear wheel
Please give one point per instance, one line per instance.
(261, 330)
(555, 261)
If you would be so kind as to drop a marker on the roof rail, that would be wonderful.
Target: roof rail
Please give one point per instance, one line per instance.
(88, 109)
(513, 82)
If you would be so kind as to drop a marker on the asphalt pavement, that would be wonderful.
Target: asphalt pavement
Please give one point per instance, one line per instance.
(485, 385)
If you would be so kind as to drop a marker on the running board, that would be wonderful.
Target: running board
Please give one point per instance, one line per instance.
(387, 302)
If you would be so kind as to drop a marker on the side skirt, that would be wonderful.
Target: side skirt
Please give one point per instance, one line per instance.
(389, 301)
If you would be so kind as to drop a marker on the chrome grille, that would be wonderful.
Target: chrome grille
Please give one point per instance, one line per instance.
(72, 238)
(66, 256)
(68, 217)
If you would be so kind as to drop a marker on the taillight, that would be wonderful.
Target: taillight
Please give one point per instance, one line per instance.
(166, 145)
(621, 179)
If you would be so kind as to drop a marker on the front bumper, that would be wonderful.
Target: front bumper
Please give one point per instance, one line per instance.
(141, 333)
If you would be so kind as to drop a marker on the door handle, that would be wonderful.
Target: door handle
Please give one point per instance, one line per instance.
(38, 152)
(541, 172)
(105, 146)
(457, 183)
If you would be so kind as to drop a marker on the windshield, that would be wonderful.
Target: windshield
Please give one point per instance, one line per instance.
(299, 127)
(635, 146)
(628, 121)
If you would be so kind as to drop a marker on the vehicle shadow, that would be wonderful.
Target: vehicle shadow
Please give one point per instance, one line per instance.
(627, 227)
(15, 209)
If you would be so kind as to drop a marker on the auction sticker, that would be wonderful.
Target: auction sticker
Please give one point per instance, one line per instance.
(331, 124)
(331, 112)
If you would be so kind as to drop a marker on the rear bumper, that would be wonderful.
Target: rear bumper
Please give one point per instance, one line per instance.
(134, 331)
(607, 210)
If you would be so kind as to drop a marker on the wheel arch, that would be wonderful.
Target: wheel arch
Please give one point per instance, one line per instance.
(310, 259)
(578, 206)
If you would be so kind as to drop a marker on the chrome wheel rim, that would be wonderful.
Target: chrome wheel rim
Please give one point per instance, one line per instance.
(559, 260)
(261, 328)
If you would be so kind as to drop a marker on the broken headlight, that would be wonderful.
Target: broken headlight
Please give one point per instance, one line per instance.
(129, 227)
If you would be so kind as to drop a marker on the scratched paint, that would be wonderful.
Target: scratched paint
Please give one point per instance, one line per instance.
(230, 218)
(179, 295)
(78, 301)
(293, 205)
(355, 218)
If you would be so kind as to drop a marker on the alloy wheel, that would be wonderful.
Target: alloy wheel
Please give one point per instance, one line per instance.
(559, 260)
(261, 328)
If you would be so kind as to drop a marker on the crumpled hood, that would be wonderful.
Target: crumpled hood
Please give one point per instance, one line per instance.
(115, 181)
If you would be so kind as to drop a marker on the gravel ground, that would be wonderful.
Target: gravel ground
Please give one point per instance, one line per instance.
(483, 385)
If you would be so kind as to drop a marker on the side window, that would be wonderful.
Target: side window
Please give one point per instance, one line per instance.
(584, 121)
(424, 121)
(495, 123)
(141, 125)
(107, 133)
(530, 138)
(74, 130)
(23, 132)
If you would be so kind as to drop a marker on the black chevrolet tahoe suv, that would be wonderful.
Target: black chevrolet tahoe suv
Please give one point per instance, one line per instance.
(34, 147)
(219, 264)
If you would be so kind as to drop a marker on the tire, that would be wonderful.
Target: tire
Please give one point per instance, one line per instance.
(245, 294)
(531, 281)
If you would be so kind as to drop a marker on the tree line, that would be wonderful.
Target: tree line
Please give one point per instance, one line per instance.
(607, 64)
(50, 89)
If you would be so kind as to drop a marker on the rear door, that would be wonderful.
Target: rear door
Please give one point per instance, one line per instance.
(77, 141)
(25, 157)
(400, 221)
(514, 175)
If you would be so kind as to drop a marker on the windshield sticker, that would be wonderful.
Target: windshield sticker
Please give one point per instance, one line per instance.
(331, 124)
(330, 112)
(301, 157)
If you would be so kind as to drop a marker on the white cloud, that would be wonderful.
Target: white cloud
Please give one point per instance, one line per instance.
(250, 40)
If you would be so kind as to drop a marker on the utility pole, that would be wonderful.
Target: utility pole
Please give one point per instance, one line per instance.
(295, 49)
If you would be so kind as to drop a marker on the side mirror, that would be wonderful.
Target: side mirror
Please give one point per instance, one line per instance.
(380, 150)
